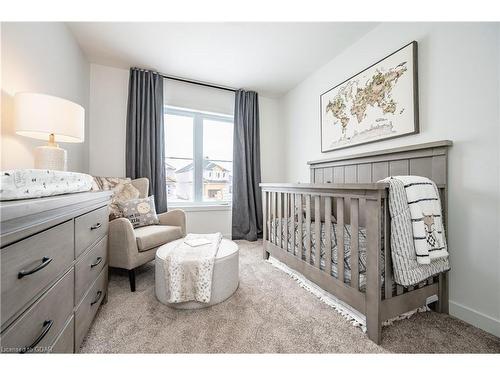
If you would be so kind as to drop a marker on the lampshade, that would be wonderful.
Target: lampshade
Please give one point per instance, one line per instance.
(39, 115)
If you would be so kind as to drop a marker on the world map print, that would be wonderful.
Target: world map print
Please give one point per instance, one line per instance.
(377, 103)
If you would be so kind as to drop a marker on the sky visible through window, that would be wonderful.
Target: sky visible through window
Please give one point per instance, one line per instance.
(218, 142)
(179, 137)
(217, 154)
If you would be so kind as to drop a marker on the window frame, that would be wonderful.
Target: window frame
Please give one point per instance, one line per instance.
(198, 117)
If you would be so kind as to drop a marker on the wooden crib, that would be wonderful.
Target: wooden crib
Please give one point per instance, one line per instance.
(348, 187)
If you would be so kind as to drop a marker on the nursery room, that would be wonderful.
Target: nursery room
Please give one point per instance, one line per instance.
(245, 186)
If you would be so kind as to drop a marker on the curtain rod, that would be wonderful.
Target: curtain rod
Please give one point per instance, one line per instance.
(197, 83)
(206, 84)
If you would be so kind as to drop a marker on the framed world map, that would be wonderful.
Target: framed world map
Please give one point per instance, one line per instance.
(380, 102)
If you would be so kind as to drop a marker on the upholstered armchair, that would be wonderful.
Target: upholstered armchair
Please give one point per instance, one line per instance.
(130, 248)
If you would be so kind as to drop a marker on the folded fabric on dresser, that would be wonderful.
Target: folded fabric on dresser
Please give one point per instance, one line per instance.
(418, 242)
(37, 183)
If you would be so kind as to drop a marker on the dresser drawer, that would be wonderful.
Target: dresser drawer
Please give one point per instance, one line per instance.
(39, 326)
(87, 309)
(66, 340)
(89, 228)
(30, 265)
(89, 266)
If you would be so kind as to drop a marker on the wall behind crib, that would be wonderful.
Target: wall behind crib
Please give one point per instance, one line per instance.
(459, 99)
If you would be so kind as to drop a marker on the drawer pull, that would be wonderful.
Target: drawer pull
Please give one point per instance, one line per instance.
(95, 226)
(45, 263)
(97, 298)
(97, 262)
(47, 325)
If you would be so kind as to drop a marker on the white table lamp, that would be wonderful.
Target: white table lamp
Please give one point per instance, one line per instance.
(49, 118)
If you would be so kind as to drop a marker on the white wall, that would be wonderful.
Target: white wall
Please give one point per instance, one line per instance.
(42, 58)
(209, 220)
(108, 104)
(459, 96)
(272, 150)
(201, 98)
(108, 115)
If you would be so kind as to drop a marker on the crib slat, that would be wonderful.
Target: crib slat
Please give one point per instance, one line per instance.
(355, 243)
(285, 222)
(268, 203)
(308, 228)
(290, 217)
(280, 215)
(275, 239)
(340, 239)
(292, 229)
(317, 230)
(387, 252)
(300, 216)
(328, 235)
(264, 215)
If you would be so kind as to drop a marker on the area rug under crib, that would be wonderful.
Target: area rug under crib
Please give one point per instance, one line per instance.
(269, 313)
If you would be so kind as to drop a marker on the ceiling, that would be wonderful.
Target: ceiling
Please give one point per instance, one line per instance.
(270, 58)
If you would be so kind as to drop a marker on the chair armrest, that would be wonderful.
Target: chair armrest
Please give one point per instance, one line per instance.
(175, 217)
(122, 243)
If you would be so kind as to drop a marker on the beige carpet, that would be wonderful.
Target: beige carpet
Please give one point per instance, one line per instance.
(269, 313)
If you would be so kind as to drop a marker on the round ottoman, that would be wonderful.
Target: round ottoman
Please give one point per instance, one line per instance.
(224, 281)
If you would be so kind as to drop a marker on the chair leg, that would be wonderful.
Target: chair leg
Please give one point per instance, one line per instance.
(131, 278)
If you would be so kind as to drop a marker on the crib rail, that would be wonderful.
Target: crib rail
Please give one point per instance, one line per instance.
(364, 209)
(358, 205)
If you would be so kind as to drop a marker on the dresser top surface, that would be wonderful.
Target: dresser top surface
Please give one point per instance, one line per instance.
(10, 210)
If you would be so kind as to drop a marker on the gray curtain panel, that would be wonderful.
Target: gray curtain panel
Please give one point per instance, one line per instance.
(247, 198)
(145, 149)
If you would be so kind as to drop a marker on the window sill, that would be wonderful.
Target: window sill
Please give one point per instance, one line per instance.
(201, 207)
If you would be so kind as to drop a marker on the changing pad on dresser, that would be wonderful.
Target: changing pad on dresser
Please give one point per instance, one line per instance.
(37, 183)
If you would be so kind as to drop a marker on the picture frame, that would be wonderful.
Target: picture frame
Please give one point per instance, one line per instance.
(378, 103)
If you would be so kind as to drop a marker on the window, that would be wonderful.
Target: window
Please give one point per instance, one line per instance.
(199, 156)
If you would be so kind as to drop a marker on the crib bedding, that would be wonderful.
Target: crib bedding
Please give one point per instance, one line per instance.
(37, 183)
(362, 247)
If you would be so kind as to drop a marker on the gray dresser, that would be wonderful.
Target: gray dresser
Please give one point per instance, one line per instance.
(54, 271)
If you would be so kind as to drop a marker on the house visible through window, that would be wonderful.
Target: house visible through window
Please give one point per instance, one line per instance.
(199, 156)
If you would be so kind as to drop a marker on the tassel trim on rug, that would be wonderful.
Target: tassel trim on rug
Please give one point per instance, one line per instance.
(350, 314)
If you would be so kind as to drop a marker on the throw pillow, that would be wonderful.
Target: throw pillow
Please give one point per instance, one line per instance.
(122, 193)
(140, 212)
(122, 189)
(108, 183)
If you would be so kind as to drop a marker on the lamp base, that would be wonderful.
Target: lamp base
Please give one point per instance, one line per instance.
(51, 157)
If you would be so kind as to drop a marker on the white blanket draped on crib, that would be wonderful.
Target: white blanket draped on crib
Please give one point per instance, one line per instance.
(418, 242)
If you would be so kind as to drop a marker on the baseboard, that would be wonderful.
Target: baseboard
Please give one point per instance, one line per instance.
(476, 318)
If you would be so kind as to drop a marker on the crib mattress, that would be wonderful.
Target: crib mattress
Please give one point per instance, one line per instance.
(290, 224)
